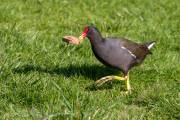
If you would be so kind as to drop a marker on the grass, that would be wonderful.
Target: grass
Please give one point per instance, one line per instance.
(42, 77)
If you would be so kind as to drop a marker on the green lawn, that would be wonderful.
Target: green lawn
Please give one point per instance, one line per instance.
(42, 77)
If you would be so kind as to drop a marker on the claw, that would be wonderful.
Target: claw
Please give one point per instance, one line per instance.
(125, 92)
(128, 92)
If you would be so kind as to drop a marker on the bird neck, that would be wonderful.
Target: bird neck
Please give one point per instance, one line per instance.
(95, 37)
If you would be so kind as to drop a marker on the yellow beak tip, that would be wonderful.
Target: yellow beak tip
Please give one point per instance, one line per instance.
(80, 37)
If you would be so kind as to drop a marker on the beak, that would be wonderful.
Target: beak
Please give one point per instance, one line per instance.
(81, 38)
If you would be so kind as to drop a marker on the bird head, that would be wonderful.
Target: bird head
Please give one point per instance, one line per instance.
(90, 32)
(84, 33)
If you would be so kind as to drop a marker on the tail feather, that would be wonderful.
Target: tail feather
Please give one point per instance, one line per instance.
(150, 45)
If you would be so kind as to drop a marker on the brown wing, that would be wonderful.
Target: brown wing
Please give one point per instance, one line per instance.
(139, 50)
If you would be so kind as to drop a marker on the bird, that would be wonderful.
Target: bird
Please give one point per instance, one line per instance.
(117, 53)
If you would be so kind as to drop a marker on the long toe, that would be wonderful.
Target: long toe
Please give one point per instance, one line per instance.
(104, 80)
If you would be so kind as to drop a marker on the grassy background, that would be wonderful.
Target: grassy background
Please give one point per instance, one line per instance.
(43, 78)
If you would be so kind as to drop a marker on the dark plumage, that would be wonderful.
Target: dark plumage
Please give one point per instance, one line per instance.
(118, 53)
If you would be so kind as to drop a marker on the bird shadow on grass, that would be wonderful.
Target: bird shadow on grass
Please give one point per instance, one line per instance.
(92, 72)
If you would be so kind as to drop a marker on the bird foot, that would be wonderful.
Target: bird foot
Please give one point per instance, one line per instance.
(104, 80)
(128, 92)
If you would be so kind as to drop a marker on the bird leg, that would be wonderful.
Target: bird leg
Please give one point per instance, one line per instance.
(112, 77)
(108, 78)
(128, 87)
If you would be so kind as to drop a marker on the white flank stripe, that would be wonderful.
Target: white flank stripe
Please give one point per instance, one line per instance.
(128, 51)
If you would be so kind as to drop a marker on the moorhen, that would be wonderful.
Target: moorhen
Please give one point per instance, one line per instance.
(117, 53)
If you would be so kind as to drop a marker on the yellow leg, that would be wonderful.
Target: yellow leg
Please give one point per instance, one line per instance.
(108, 78)
(111, 78)
(128, 87)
